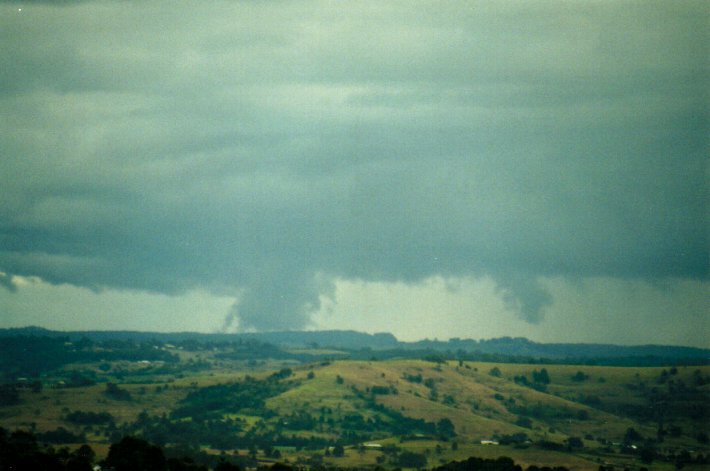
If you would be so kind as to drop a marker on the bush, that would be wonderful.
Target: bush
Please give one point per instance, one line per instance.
(78, 380)
(541, 376)
(185, 464)
(89, 418)
(60, 435)
(413, 378)
(580, 376)
(338, 451)
(515, 439)
(445, 428)
(632, 436)
(522, 380)
(226, 466)
(9, 395)
(408, 459)
(524, 422)
(499, 464)
(575, 442)
(438, 359)
(116, 393)
(549, 445)
(283, 373)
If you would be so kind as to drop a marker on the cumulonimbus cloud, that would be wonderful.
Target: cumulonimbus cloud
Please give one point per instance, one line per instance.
(264, 157)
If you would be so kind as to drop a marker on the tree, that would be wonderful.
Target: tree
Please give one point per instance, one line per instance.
(445, 428)
(9, 395)
(36, 386)
(114, 392)
(77, 380)
(541, 376)
(134, 454)
(524, 422)
(408, 459)
(76, 463)
(495, 371)
(580, 376)
(86, 452)
(575, 442)
(185, 464)
(226, 466)
(647, 454)
(338, 451)
(632, 435)
(449, 400)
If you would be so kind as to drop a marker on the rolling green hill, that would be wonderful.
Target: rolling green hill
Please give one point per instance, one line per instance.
(355, 413)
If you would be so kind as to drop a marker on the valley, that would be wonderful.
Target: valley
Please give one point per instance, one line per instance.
(257, 404)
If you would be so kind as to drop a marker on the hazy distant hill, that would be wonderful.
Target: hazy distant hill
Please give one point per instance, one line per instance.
(528, 348)
(333, 338)
(359, 341)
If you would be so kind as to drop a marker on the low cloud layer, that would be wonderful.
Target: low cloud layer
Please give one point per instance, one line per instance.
(264, 150)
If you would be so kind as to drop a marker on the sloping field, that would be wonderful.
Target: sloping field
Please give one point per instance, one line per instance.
(577, 416)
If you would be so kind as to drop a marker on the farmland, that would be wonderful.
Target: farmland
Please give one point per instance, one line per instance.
(253, 403)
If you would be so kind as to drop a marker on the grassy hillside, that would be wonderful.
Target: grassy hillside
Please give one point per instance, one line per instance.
(357, 413)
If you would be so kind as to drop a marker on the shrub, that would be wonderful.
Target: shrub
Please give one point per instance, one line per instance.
(408, 459)
(60, 435)
(445, 428)
(89, 418)
(524, 422)
(9, 395)
(413, 378)
(580, 376)
(575, 442)
(338, 451)
(541, 376)
(632, 435)
(114, 392)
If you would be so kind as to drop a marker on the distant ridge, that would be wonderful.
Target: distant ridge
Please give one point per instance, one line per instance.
(325, 338)
(352, 340)
(523, 347)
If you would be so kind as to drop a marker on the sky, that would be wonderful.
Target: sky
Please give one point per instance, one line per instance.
(430, 169)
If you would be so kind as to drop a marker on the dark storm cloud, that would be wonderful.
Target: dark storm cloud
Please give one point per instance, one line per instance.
(265, 149)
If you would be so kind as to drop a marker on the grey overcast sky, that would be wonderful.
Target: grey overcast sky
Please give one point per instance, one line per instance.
(432, 169)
